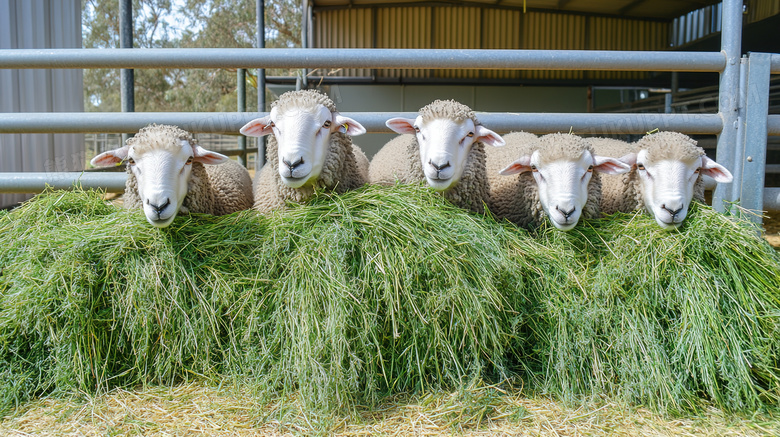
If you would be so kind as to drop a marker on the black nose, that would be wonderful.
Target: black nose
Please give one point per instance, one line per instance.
(567, 214)
(445, 165)
(672, 213)
(292, 165)
(159, 209)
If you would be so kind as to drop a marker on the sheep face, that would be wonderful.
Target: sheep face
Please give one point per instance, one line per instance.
(445, 146)
(668, 185)
(162, 173)
(563, 183)
(303, 136)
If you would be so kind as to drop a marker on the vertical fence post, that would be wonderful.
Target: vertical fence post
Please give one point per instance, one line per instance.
(260, 18)
(303, 81)
(241, 107)
(735, 194)
(728, 101)
(126, 76)
(755, 133)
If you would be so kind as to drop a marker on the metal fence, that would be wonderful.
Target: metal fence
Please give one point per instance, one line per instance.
(742, 123)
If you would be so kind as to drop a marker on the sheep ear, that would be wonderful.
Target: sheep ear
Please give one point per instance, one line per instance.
(522, 165)
(716, 171)
(111, 157)
(207, 156)
(489, 137)
(346, 125)
(401, 125)
(603, 164)
(258, 127)
(629, 159)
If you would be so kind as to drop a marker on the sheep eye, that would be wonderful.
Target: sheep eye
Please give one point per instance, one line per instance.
(640, 166)
(417, 129)
(131, 161)
(534, 169)
(271, 124)
(590, 169)
(470, 134)
(698, 170)
(189, 161)
(326, 124)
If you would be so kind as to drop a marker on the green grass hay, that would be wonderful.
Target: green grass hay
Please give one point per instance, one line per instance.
(382, 291)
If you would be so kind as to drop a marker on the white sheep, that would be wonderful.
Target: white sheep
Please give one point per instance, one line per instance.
(444, 146)
(555, 176)
(310, 148)
(668, 168)
(166, 174)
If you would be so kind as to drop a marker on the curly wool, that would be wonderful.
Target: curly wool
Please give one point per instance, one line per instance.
(622, 192)
(214, 189)
(516, 197)
(399, 160)
(345, 167)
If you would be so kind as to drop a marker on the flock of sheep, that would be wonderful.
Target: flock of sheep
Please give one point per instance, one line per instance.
(519, 177)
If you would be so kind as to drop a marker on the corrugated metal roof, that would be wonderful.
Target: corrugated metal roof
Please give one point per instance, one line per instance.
(645, 9)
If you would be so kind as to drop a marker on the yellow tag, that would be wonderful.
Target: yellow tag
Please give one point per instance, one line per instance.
(652, 131)
(346, 128)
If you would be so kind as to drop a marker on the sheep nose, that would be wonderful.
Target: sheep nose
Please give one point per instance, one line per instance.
(566, 214)
(441, 167)
(293, 165)
(671, 212)
(159, 208)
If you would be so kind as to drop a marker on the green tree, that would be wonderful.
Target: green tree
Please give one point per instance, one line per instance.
(199, 23)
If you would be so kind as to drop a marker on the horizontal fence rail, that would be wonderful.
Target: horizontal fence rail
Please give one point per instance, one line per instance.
(366, 58)
(36, 182)
(374, 122)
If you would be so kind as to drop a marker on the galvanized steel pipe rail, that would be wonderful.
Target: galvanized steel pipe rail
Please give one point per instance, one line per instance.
(374, 122)
(366, 58)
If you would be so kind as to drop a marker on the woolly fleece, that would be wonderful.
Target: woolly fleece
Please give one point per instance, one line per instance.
(345, 166)
(516, 197)
(399, 160)
(621, 192)
(212, 189)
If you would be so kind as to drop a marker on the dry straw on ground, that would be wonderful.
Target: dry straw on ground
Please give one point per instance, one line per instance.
(201, 410)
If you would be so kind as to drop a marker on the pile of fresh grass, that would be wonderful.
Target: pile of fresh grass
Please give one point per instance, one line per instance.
(383, 291)
(345, 299)
(665, 318)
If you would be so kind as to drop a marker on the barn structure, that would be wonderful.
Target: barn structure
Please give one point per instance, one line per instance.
(614, 67)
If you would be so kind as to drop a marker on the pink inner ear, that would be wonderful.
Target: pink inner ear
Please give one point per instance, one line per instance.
(610, 165)
(110, 158)
(346, 125)
(207, 156)
(258, 127)
(489, 137)
(522, 165)
(716, 171)
(401, 125)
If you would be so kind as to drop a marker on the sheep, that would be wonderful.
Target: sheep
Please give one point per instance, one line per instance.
(668, 171)
(444, 146)
(310, 149)
(557, 177)
(166, 174)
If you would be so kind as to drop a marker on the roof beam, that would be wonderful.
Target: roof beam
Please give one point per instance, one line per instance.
(630, 6)
(562, 3)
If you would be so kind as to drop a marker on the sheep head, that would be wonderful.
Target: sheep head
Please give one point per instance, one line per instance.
(446, 131)
(302, 123)
(562, 166)
(670, 165)
(160, 157)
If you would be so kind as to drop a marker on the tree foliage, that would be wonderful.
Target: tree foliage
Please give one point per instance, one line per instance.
(185, 24)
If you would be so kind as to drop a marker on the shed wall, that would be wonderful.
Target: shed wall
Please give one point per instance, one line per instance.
(40, 24)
